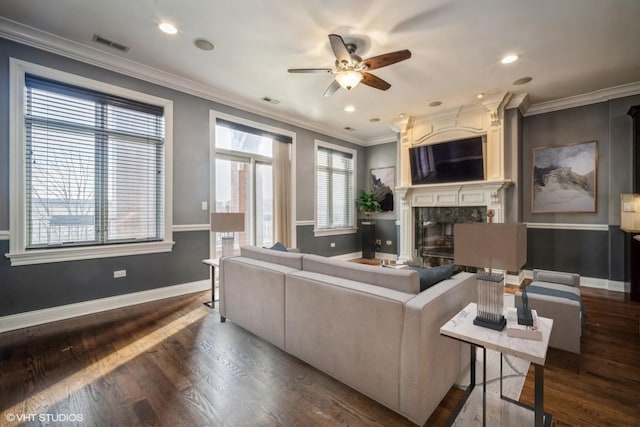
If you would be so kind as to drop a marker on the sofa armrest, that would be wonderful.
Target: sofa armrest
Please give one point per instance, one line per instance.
(569, 279)
(430, 362)
(567, 326)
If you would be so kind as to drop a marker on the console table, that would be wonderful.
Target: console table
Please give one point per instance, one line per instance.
(213, 262)
(461, 327)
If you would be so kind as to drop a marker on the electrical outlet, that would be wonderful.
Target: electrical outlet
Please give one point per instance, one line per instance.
(378, 242)
(204, 205)
(389, 242)
(119, 273)
(332, 244)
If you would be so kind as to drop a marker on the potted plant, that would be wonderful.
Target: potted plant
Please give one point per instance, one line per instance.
(367, 203)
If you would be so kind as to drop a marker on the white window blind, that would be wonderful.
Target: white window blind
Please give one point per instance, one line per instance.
(94, 167)
(334, 193)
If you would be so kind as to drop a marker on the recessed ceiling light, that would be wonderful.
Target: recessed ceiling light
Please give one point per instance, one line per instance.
(203, 44)
(167, 28)
(509, 59)
(401, 115)
(522, 81)
(480, 95)
(374, 120)
(349, 108)
(435, 104)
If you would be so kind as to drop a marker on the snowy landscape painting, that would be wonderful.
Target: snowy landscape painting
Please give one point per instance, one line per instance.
(564, 178)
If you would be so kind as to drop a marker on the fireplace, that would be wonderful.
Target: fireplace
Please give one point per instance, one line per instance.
(427, 215)
(434, 241)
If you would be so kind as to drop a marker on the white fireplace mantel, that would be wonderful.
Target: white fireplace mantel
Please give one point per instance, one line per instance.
(474, 193)
(485, 118)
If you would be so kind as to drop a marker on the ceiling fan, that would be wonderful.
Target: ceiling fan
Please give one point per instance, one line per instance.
(350, 69)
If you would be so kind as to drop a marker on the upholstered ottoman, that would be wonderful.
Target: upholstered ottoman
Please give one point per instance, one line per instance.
(556, 295)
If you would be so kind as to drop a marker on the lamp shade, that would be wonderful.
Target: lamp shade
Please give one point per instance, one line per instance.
(348, 79)
(225, 222)
(497, 245)
(630, 213)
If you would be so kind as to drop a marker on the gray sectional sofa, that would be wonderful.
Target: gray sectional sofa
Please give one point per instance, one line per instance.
(369, 327)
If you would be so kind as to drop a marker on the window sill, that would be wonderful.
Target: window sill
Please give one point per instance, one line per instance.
(44, 256)
(334, 231)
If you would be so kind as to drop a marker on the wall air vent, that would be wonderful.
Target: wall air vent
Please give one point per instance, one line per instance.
(107, 42)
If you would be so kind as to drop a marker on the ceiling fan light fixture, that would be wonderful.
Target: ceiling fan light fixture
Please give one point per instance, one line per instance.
(348, 79)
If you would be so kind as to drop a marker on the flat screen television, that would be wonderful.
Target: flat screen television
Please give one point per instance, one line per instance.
(452, 161)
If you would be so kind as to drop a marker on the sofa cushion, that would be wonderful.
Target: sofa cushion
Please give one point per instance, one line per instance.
(429, 276)
(279, 247)
(288, 259)
(402, 280)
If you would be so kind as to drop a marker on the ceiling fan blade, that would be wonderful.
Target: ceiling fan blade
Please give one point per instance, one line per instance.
(309, 70)
(373, 81)
(333, 87)
(339, 48)
(386, 59)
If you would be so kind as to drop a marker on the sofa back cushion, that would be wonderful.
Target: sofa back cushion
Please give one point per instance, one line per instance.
(288, 259)
(397, 279)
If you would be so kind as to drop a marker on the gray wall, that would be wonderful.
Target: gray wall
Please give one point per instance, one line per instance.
(380, 156)
(596, 254)
(34, 287)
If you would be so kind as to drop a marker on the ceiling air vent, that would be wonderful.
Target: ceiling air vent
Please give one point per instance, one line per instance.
(113, 45)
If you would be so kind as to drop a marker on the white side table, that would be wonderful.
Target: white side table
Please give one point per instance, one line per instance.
(461, 327)
(213, 262)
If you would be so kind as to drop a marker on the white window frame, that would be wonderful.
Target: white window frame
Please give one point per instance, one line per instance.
(213, 116)
(318, 232)
(18, 253)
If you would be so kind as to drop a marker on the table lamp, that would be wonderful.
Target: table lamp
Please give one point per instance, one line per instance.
(490, 245)
(227, 223)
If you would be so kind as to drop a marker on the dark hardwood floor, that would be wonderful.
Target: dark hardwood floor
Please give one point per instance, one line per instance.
(172, 363)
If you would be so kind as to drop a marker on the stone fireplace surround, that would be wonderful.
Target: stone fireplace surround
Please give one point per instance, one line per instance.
(484, 194)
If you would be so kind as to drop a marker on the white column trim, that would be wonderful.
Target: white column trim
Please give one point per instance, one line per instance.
(54, 314)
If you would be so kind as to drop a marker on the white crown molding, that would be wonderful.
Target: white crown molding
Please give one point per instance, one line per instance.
(594, 97)
(30, 36)
(385, 139)
(559, 226)
(54, 314)
(190, 227)
(521, 102)
(4, 234)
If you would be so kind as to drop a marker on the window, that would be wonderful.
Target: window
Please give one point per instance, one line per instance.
(93, 167)
(335, 183)
(245, 173)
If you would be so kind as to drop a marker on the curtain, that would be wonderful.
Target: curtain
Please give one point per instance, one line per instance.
(282, 193)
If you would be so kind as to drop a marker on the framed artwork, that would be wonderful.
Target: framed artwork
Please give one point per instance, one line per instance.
(383, 181)
(564, 178)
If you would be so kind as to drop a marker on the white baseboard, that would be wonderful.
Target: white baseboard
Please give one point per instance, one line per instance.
(54, 314)
(348, 257)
